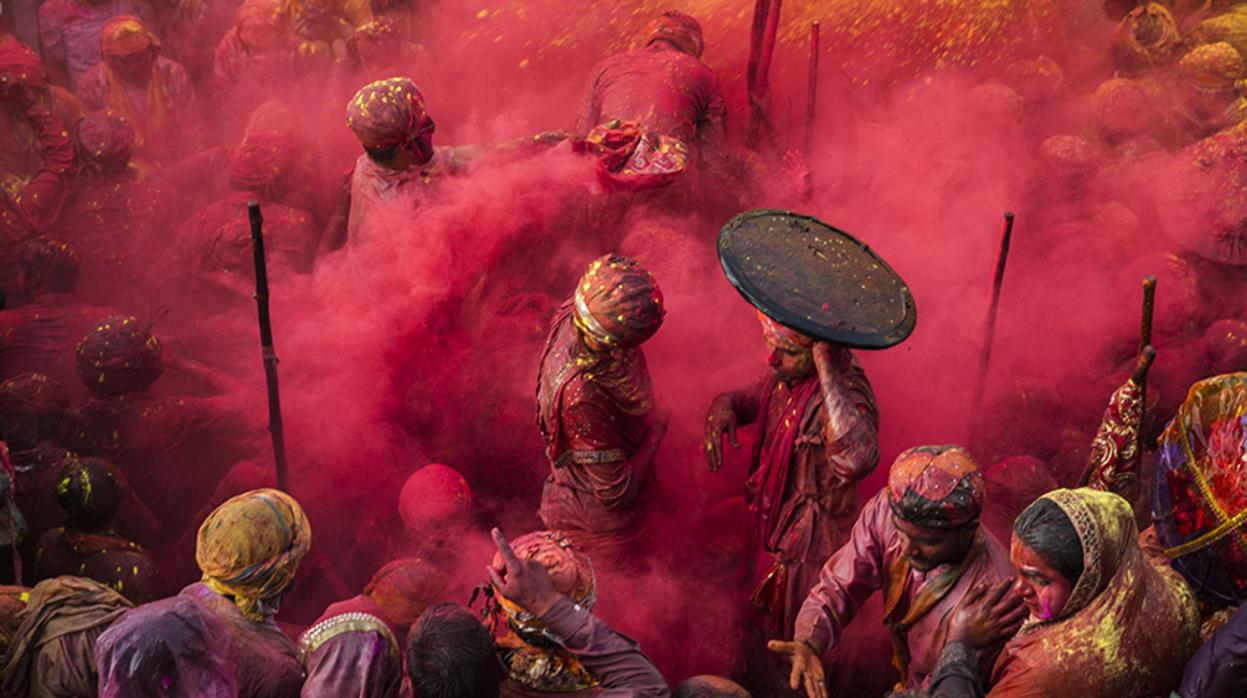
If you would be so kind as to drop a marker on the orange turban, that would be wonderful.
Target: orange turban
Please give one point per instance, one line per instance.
(404, 588)
(782, 337)
(618, 302)
(126, 34)
(680, 29)
(936, 487)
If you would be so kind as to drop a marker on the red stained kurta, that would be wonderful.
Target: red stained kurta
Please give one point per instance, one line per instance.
(593, 410)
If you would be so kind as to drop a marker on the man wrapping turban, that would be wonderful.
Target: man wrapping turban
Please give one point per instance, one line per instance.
(595, 408)
(248, 549)
(662, 87)
(151, 93)
(819, 437)
(917, 541)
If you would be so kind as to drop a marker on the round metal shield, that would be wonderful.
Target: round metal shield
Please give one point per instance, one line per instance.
(816, 279)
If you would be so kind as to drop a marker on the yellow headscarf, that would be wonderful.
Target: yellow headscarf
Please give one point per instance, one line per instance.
(123, 35)
(250, 547)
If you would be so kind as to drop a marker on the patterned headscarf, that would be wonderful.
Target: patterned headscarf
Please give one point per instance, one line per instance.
(784, 338)
(570, 569)
(936, 487)
(618, 302)
(119, 356)
(680, 29)
(389, 113)
(250, 547)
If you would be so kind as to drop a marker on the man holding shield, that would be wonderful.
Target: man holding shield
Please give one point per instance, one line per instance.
(819, 435)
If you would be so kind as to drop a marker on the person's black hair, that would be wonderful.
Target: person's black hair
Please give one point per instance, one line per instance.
(451, 655)
(1044, 528)
(55, 263)
(383, 156)
(88, 493)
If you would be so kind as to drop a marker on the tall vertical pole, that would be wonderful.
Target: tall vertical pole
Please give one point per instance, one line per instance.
(985, 358)
(812, 88)
(266, 344)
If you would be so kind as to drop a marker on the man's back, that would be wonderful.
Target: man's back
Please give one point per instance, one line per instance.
(40, 337)
(664, 89)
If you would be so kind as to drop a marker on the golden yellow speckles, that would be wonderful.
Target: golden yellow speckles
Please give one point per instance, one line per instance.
(482, 14)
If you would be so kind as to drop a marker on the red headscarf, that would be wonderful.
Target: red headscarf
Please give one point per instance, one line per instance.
(19, 64)
(389, 113)
(105, 140)
(434, 497)
(936, 487)
(262, 158)
(680, 29)
(618, 302)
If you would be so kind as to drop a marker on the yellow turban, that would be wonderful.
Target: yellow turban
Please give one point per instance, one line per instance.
(250, 547)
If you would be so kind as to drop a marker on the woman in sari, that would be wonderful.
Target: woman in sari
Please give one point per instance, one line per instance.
(1106, 619)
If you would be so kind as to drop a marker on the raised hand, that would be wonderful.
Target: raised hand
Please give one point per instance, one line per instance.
(525, 582)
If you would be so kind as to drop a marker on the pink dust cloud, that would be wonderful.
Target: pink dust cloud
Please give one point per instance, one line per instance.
(422, 346)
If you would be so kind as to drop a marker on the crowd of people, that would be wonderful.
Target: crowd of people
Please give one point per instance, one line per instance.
(133, 135)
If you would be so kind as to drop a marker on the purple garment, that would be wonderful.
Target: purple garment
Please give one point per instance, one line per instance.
(664, 89)
(620, 667)
(1219, 667)
(243, 658)
(70, 31)
(174, 647)
(351, 651)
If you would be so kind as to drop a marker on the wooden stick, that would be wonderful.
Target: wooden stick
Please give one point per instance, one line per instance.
(812, 89)
(985, 357)
(266, 344)
(761, 51)
(1145, 345)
